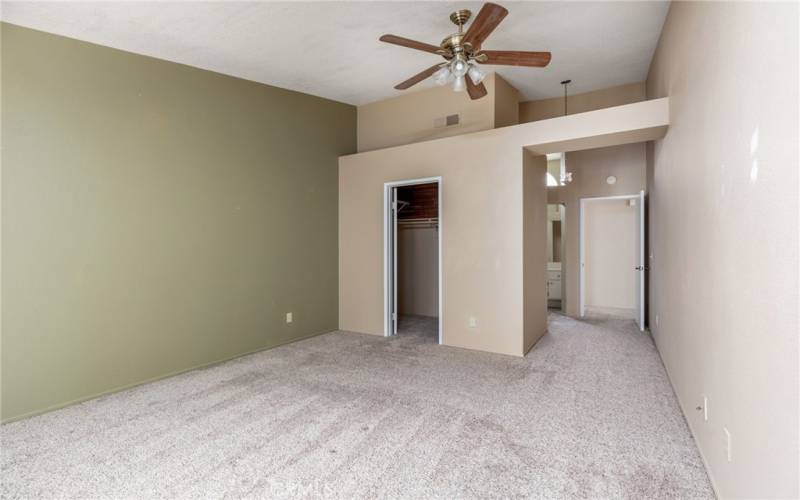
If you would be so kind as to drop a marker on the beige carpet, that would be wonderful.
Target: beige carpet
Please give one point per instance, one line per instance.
(588, 413)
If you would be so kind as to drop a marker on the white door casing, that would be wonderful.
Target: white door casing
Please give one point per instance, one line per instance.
(641, 268)
(638, 271)
(391, 317)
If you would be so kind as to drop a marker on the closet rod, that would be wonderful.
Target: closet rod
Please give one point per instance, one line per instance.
(417, 221)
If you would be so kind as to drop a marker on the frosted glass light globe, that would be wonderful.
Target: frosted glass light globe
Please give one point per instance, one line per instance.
(459, 67)
(476, 74)
(443, 76)
(459, 84)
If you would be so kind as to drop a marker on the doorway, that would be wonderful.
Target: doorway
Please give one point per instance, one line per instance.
(612, 247)
(555, 256)
(412, 264)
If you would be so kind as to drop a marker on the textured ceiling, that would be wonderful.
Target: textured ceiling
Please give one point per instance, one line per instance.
(331, 49)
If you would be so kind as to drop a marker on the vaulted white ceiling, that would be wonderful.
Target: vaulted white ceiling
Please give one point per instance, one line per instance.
(331, 49)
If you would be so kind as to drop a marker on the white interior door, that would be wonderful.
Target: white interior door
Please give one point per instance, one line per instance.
(640, 262)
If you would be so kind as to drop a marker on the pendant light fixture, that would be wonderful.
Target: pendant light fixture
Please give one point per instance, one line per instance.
(565, 83)
(566, 177)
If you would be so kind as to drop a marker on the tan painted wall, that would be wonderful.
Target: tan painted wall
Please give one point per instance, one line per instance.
(580, 103)
(590, 169)
(482, 219)
(724, 236)
(418, 271)
(418, 115)
(155, 218)
(506, 103)
(610, 254)
(534, 266)
(481, 207)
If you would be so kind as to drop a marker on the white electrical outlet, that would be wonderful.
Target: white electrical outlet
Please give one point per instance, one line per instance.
(728, 451)
(473, 322)
(289, 318)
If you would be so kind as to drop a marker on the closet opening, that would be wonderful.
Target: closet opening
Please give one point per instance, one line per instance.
(413, 259)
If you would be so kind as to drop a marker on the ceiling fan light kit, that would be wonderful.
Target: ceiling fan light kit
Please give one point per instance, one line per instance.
(456, 71)
(462, 53)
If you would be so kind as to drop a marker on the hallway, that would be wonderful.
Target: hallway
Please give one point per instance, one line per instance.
(588, 413)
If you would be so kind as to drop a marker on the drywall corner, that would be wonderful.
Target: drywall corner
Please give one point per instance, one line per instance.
(506, 102)
(534, 242)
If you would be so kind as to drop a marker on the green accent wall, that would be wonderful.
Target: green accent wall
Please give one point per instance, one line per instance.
(155, 218)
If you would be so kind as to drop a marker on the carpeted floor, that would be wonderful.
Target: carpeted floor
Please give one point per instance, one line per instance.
(588, 413)
(423, 327)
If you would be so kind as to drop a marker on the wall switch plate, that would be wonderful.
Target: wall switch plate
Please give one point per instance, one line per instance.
(656, 319)
(705, 408)
(728, 452)
(473, 322)
(289, 318)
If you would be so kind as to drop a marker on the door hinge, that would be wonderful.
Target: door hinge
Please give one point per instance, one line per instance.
(394, 316)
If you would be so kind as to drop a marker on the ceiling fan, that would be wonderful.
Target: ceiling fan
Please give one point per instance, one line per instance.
(462, 51)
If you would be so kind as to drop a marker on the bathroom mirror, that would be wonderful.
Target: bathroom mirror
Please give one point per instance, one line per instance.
(554, 232)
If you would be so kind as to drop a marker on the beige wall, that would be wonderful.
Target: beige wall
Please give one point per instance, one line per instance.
(610, 254)
(534, 266)
(482, 219)
(418, 270)
(155, 218)
(580, 103)
(590, 168)
(506, 103)
(724, 236)
(418, 115)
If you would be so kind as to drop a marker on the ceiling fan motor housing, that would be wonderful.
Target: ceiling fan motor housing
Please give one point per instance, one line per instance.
(453, 44)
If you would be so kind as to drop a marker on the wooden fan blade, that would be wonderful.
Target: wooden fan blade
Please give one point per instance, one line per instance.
(485, 22)
(411, 44)
(475, 91)
(515, 58)
(418, 77)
